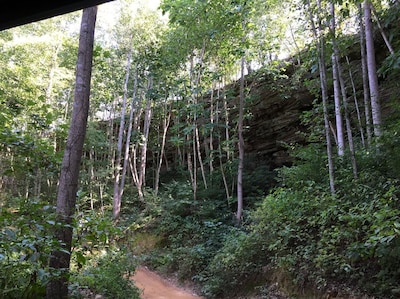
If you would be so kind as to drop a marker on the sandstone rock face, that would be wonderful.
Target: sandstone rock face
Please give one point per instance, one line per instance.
(275, 120)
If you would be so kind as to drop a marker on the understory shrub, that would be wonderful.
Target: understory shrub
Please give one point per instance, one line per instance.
(320, 239)
(108, 274)
(189, 231)
(235, 266)
(25, 246)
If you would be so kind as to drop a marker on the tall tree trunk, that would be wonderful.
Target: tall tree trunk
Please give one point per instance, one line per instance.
(197, 146)
(372, 74)
(143, 152)
(211, 136)
(165, 124)
(387, 42)
(320, 41)
(336, 86)
(348, 122)
(191, 167)
(198, 151)
(53, 68)
(136, 146)
(128, 138)
(239, 211)
(57, 288)
(226, 114)
(339, 75)
(118, 167)
(364, 71)
(221, 164)
(338, 108)
(357, 106)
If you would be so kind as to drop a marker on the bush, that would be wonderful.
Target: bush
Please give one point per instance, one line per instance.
(236, 265)
(25, 246)
(320, 239)
(107, 274)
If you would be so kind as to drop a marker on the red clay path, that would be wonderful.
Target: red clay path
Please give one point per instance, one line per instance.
(154, 286)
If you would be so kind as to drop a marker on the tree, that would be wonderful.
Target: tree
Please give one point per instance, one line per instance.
(68, 183)
(321, 48)
(239, 210)
(336, 86)
(372, 74)
(364, 70)
(118, 187)
(338, 75)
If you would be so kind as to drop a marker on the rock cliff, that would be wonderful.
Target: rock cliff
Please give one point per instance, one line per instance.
(277, 105)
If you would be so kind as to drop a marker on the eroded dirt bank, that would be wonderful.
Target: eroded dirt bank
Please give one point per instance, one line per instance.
(154, 286)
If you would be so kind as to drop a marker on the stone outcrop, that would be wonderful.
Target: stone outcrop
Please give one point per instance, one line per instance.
(275, 119)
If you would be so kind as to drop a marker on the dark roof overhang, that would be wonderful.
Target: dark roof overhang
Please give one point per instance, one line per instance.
(32, 11)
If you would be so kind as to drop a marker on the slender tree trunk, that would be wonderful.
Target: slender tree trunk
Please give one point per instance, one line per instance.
(372, 74)
(118, 167)
(166, 122)
(339, 75)
(221, 155)
(136, 146)
(92, 177)
(227, 135)
(196, 136)
(364, 71)
(53, 67)
(388, 45)
(198, 150)
(319, 39)
(336, 86)
(128, 138)
(348, 123)
(324, 89)
(143, 153)
(295, 44)
(357, 106)
(57, 288)
(191, 168)
(338, 108)
(239, 211)
(211, 137)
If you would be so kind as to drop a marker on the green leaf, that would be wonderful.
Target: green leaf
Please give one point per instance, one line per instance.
(80, 258)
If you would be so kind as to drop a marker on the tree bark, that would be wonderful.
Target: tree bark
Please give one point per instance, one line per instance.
(143, 153)
(339, 76)
(356, 105)
(239, 211)
(338, 110)
(336, 86)
(118, 167)
(387, 42)
(128, 139)
(372, 74)
(320, 41)
(57, 288)
(364, 70)
(165, 125)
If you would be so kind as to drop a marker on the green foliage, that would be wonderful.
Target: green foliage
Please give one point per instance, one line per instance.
(25, 246)
(108, 274)
(352, 239)
(235, 266)
(308, 169)
(189, 232)
(390, 65)
(26, 243)
(93, 231)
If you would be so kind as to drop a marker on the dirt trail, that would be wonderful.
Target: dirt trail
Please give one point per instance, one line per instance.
(155, 287)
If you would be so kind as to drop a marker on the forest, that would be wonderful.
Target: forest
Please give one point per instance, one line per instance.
(246, 148)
